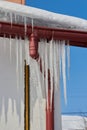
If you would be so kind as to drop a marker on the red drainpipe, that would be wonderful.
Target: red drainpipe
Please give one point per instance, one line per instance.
(49, 108)
(33, 49)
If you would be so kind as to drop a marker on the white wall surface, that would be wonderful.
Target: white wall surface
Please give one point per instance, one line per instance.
(11, 98)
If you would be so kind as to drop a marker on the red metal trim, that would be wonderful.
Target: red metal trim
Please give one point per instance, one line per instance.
(49, 108)
(76, 38)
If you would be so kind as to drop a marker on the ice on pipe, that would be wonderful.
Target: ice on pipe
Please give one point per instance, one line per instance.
(46, 70)
(42, 59)
(38, 88)
(53, 57)
(51, 68)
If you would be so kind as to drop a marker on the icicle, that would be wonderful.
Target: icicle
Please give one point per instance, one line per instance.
(32, 25)
(10, 48)
(42, 56)
(60, 56)
(21, 65)
(11, 19)
(27, 51)
(4, 43)
(17, 62)
(15, 17)
(64, 69)
(6, 101)
(68, 57)
(46, 71)
(51, 69)
(39, 92)
(58, 63)
(55, 66)
(25, 25)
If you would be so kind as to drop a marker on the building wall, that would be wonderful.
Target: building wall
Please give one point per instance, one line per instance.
(11, 96)
(17, 1)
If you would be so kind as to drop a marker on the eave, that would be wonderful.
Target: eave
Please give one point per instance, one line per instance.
(75, 37)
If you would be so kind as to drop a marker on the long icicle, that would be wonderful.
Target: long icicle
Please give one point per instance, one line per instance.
(4, 43)
(27, 56)
(15, 18)
(17, 62)
(21, 62)
(68, 57)
(51, 70)
(55, 67)
(58, 62)
(42, 60)
(64, 69)
(60, 56)
(39, 92)
(10, 48)
(46, 71)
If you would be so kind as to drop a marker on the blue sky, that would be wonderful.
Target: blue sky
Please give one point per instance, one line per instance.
(77, 84)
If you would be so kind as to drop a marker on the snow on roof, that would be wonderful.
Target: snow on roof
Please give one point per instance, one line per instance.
(41, 17)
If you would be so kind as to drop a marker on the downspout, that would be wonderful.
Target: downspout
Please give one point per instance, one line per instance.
(33, 49)
(49, 108)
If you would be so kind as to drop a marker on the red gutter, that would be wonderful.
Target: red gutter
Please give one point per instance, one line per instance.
(76, 38)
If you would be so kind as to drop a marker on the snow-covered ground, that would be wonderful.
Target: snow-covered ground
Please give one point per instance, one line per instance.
(74, 122)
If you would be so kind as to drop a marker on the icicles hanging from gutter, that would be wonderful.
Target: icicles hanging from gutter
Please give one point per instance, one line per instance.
(53, 58)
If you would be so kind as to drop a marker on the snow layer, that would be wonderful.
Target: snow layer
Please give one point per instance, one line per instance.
(74, 122)
(41, 17)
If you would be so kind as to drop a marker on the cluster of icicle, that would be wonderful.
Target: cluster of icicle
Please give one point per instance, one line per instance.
(53, 58)
(13, 52)
(13, 17)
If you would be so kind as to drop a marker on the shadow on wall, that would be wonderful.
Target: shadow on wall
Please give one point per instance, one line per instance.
(8, 79)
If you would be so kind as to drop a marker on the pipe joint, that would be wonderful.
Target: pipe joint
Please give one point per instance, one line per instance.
(33, 46)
